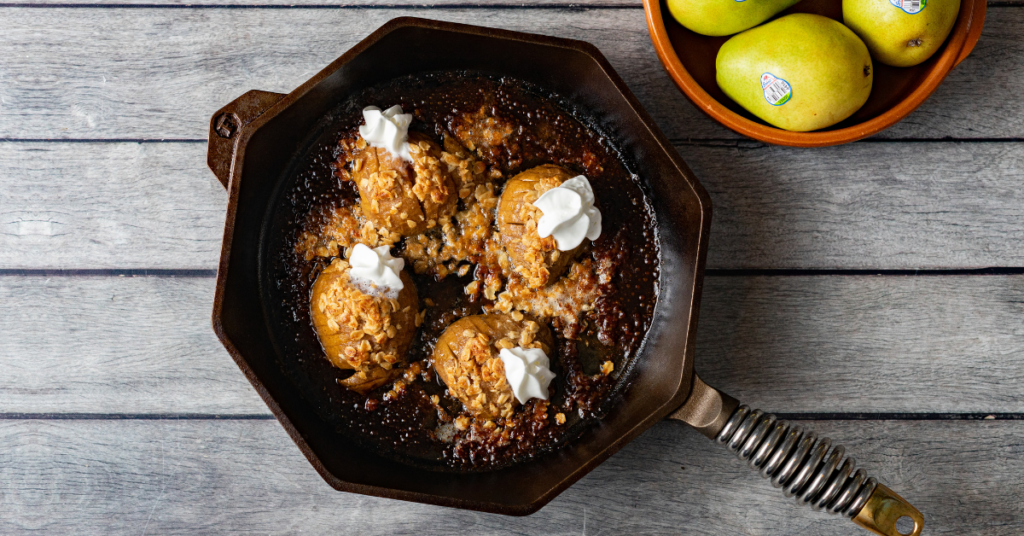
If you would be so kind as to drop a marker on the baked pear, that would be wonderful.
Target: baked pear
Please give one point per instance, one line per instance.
(365, 332)
(401, 196)
(537, 259)
(466, 358)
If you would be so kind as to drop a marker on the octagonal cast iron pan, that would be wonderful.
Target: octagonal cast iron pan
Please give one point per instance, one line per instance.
(252, 143)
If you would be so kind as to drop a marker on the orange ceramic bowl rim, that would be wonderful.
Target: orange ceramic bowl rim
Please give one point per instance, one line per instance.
(963, 37)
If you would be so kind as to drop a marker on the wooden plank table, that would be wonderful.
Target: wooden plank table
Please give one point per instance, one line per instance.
(875, 290)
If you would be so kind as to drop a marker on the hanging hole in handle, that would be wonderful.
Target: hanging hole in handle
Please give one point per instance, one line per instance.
(884, 514)
(905, 525)
(225, 124)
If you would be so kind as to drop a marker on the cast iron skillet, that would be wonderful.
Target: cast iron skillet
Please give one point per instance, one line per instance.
(252, 143)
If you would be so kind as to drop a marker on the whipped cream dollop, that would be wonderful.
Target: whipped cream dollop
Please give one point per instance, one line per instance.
(375, 272)
(569, 213)
(387, 130)
(527, 371)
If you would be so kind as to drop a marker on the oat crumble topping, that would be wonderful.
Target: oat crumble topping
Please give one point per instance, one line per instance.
(370, 334)
(445, 213)
(466, 358)
(537, 259)
(395, 196)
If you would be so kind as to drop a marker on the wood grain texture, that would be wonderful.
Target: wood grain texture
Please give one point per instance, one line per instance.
(864, 344)
(786, 344)
(208, 477)
(357, 3)
(387, 4)
(111, 344)
(105, 205)
(864, 205)
(159, 73)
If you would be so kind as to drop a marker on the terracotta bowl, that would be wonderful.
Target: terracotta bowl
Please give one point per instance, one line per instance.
(689, 59)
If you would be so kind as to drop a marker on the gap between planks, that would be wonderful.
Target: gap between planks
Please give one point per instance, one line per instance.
(161, 72)
(203, 477)
(688, 142)
(269, 417)
(865, 207)
(209, 274)
(368, 4)
(790, 345)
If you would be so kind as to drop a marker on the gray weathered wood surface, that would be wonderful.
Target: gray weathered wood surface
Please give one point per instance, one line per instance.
(121, 414)
(209, 477)
(158, 73)
(882, 344)
(774, 207)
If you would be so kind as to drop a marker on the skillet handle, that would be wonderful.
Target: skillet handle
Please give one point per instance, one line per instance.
(814, 471)
(225, 125)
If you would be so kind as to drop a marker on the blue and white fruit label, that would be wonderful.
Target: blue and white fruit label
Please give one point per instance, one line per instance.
(911, 7)
(776, 90)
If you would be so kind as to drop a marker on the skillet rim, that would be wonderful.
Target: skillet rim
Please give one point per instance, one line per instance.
(663, 145)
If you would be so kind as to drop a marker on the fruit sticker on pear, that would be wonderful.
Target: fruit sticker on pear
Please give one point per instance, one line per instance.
(911, 7)
(901, 33)
(763, 68)
(776, 90)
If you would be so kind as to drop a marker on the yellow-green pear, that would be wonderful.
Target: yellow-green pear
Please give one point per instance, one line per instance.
(725, 17)
(901, 33)
(801, 72)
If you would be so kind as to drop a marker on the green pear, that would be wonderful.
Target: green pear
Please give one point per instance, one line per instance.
(800, 72)
(901, 33)
(725, 17)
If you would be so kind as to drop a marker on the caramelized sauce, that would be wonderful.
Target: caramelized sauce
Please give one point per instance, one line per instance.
(510, 127)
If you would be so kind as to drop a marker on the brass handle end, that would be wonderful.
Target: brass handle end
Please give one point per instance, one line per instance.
(882, 513)
(812, 469)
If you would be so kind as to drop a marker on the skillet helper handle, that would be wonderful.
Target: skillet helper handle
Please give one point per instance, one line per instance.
(812, 469)
(226, 124)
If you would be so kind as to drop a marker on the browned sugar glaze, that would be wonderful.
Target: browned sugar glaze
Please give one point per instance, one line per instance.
(592, 314)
